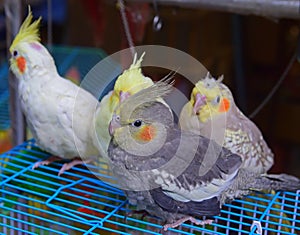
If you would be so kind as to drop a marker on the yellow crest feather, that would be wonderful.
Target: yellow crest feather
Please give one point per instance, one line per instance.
(136, 64)
(132, 79)
(145, 96)
(28, 32)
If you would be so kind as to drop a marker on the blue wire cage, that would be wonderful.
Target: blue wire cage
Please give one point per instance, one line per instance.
(80, 58)
(40, 202)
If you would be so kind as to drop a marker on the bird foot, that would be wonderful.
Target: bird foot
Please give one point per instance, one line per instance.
(189, 218)
(65, 167)
(45, 162)
(74, 162)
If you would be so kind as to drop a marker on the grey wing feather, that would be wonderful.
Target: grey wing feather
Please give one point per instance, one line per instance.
(208, 207)
(197, 185)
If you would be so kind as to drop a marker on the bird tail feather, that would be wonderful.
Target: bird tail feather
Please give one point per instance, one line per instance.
(279, 182)
(268, 182)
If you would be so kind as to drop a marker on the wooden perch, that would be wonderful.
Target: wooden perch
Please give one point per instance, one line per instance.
(268, 8)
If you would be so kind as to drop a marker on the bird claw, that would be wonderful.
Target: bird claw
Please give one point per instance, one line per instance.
(188, 218)
(45, 162)
(42, 163)
(68, 166)
(74, 162)
(65, 167)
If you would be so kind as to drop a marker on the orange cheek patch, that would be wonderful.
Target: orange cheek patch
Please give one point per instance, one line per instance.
(225, 105)
(21, 63)
(147, 133)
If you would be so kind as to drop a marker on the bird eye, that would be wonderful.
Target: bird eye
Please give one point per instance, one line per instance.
(218, 98)
(137, 123)
(116, 117)
(15, 53)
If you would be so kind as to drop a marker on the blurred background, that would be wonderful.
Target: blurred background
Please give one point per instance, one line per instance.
(252, 52)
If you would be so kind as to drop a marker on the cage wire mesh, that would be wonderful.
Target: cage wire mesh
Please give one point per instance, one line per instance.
(40, 202)
(72, 63)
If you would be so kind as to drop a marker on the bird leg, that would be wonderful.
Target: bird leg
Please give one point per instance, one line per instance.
(46, 162)
(188, 218)
(66, 166)
(74, 162)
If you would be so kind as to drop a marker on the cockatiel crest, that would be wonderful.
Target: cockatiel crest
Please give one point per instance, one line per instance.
(209, 82)
(28, 55)
(29, 32)
(150, 94)
(138, 81)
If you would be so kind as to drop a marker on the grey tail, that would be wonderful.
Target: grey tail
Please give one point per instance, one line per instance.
(280, 182)
(247, 181)
(266, 182)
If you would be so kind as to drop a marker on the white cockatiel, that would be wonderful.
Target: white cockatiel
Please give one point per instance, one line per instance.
(58, 113)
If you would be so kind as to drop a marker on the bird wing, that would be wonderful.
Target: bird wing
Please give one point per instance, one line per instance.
(207, 207)
(243, 137)
(210, 171)
(75, 108)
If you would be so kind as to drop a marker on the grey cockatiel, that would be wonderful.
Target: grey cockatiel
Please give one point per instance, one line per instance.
(213, 113)
(172, 174)
(58, 113)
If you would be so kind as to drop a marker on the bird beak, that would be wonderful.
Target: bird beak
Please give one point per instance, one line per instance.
(200, 100)
(123, 95)
(113, 125)
(21, 63)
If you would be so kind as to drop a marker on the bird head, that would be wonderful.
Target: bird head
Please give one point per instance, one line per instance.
(28, 55)
(130, 82)
(210, 97)
(141, 119)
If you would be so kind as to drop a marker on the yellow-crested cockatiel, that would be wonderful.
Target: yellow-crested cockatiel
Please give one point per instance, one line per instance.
(128, 83)
(213, 113)
(58, 113)
(212, 108)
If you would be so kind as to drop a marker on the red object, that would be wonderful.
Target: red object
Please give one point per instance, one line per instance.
(138, 15)
(95, 12)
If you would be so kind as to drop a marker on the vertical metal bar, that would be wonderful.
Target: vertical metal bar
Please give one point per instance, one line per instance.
(12, 222)
(297, 199)
(19, 217)
(5, 229)
(228, 221)
(13, 20)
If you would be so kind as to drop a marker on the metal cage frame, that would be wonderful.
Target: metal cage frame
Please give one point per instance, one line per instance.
(41, 202)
